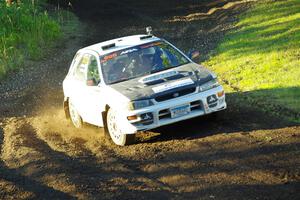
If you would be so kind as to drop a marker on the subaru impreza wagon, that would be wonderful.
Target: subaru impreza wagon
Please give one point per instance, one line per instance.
(137, 83)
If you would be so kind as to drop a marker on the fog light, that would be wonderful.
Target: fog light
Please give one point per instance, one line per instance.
(134, 117)
(147, 116)
(220, 94)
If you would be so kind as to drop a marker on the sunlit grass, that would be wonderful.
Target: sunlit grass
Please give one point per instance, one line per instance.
(263, 54)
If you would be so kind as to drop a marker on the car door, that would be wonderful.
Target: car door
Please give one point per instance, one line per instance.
(92, 99)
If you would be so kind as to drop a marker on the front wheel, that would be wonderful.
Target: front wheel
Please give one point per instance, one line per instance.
(115, 132)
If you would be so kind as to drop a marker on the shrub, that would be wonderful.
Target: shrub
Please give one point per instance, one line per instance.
(24, 30)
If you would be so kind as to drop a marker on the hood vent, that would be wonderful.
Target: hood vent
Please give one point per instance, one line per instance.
(134, 88)
(158, 76)
(171, 78)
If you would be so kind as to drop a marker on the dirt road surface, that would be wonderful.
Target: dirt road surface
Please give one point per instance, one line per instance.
(244, 154)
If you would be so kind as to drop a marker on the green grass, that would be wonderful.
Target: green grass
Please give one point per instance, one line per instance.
(25, 30)
(261, 57)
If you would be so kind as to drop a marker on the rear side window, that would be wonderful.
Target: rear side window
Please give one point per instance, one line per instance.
(74, 63)
(93, 77)
(81, 68)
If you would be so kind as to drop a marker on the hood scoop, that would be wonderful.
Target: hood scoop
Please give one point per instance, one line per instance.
(135, 88)
(161, 78)
(155, 82)
(177, 76)
(157, 77)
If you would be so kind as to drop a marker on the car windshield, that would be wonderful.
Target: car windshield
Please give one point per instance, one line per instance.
(139, 61)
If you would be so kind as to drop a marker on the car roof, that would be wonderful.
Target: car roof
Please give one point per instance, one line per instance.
(120, 43)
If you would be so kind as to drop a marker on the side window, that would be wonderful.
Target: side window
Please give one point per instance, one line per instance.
(74, 63)
(80, 70)
(93, 77)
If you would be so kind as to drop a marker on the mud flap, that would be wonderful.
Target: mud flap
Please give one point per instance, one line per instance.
(104, 117)
(66, 108)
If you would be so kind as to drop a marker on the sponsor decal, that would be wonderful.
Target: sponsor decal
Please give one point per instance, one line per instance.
(128, 51)
(82, 68)
(108, 57)
(151, 45)
(85, 59)
(169, 86)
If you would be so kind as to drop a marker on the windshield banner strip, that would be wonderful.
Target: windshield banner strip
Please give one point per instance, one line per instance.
(151, 45)
(108, 57)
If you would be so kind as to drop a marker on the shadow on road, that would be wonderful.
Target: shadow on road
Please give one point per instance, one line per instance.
(166, 176)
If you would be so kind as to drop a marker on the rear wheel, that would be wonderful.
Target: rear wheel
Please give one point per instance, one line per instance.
(75, 117)
(115, 132)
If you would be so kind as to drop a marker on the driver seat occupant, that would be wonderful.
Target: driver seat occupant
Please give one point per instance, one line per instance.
(117, 71)
(139, 64)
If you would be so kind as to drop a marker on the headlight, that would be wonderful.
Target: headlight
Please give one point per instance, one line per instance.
(209, 85)
(134, 105)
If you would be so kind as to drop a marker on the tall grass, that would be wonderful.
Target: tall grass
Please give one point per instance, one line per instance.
(262, 56)
(24, 30)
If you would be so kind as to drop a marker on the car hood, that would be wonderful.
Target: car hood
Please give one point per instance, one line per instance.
(184, 77)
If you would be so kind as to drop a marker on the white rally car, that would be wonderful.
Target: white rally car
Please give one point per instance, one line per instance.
(137, 83)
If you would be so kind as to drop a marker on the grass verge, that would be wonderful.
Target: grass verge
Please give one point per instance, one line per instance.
(26, 29)
(260, 59)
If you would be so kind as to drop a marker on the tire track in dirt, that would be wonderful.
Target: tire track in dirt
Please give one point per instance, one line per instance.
(15, 151)
(211, 11)
(184, 168)
(31, 149)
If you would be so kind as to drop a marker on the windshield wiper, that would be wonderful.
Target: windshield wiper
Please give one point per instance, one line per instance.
(121, 80)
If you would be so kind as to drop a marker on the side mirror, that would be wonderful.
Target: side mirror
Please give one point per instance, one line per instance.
(194, 55)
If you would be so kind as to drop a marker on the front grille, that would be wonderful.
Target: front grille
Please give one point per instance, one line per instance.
(166, 114)
(196, 105)
(176, 94)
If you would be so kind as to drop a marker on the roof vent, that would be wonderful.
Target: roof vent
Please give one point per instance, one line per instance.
(146, 37)
(105, 47)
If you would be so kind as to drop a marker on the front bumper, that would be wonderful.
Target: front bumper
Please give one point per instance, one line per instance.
(161, 112)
